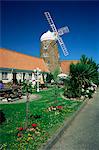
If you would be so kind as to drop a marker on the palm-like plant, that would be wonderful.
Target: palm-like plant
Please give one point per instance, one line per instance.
(82, 74)
(93, 68)
(83, 59)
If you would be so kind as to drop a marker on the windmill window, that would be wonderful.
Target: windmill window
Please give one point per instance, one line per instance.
(45, 47)
(45, 55)
(48, 62)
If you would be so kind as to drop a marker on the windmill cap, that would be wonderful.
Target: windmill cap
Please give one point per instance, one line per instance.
(48, 36)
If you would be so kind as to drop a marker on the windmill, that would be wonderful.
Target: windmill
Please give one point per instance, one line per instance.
(58, 32)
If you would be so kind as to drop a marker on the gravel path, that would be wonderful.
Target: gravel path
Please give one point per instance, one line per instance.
(83, 134)
(23, 100)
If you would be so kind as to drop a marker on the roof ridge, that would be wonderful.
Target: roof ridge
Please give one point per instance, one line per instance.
(20, 53)
(68, 60)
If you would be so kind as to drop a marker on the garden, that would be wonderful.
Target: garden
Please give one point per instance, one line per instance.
(30, 124)
(45, 117)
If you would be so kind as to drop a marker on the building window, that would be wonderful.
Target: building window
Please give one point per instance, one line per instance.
(4, 76)
(30, 75)
(46, 45)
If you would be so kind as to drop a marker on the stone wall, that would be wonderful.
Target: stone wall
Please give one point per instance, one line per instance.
(49, 52)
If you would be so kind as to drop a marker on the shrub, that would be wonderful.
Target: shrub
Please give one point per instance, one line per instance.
(27, 86)
(2, 117)
(49, 77)
(72, 89)
(95, 74)
(81, 74)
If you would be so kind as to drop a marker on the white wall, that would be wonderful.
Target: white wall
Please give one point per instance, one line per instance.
(10, 77)
(19, 77)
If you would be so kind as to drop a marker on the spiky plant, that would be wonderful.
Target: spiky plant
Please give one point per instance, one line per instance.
(82, 73)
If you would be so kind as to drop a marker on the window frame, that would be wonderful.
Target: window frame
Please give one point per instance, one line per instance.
(4, 75)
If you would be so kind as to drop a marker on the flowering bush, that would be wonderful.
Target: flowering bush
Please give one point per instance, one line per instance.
(82, 90)
(87, 91)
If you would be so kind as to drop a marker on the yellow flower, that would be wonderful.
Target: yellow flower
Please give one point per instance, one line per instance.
(29, 138)
(29, 134)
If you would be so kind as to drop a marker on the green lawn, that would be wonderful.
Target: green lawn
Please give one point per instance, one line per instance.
(47, 123)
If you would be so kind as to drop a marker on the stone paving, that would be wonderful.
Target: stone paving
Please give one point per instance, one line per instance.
(83, 133)
(22, 100)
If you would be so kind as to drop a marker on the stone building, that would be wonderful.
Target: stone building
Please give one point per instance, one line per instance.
(49, 50)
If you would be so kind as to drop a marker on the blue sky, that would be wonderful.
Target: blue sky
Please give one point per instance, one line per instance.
(23, 22)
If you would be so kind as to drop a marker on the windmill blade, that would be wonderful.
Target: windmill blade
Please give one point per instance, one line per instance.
(50, 21)
(63, 30)
(62, 46)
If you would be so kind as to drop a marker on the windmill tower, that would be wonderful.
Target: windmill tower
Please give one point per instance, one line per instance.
(49, 50)
(49, 47)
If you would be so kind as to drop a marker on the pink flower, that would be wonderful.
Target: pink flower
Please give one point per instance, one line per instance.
(34, 125)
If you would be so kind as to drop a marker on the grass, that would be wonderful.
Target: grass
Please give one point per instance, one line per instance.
(46, 125)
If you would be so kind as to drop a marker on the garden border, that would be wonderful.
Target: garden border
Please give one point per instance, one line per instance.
(65, 125)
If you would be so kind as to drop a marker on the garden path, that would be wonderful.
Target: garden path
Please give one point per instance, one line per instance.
(22, 100)
(83, 133)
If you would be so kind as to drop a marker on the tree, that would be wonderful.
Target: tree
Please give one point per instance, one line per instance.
(27, 88)
(55, 77)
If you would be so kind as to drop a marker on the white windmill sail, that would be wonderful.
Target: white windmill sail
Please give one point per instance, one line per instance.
(63, 30)
(59, 32)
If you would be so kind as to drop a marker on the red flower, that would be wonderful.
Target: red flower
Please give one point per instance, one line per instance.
(20, 129)
(34, 125)
(19, 135)
(59, 107)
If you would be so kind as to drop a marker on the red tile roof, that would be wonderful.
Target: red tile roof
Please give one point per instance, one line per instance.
(16, 60)
(65, 65)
